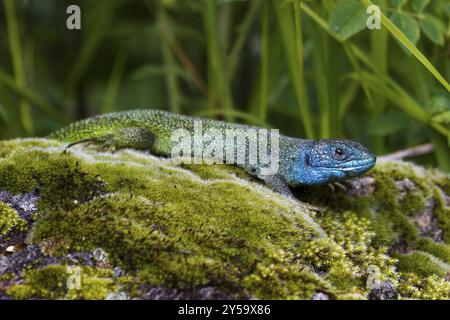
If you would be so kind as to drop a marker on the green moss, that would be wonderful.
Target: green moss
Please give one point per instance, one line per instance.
(47, 283)
(413, 286)
(355, 236)
(439, 250)
(284, 279)
(9, 219)
(218, 171)
(55, 282)
(10, 147)
(423, 263)
(442, 211)
(194, 226)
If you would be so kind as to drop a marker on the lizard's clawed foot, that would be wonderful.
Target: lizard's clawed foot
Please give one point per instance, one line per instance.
(136, 138)
(336, 184)
(107, 147)
(106, 144)
(87, 141)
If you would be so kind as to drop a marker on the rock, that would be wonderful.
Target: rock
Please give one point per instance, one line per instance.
(383, 291)
(320, 296)
(361, 186)
(133, 226)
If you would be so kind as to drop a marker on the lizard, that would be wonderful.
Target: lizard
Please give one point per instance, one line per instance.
(301, 161)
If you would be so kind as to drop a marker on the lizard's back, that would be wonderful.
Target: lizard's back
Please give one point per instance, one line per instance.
(161, 124)
(157, 121)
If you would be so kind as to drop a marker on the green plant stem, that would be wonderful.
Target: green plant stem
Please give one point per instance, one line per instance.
(321, 84)
(402, 100)
(30, 96)
(170, 68)
(17, 61)
(99, 22)
(346, 99)
(264, 87)
(441, 146)
(244, 30)
(216, 60)
(302, 92)
(384, 86)
(181, 55)
(248, 117)
(114, 82)
(321, 22)
(380, 50)
(400, 36)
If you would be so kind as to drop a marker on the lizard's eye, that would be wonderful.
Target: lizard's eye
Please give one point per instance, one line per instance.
(339, 153)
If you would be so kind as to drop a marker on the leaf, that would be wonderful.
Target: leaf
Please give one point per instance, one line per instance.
(169, 3)
(447, 9)
(388, 123)
(439, 104)
(443, 118)
(439, 107)
(147, 71)
(403, 39)
(348, 18)
(419, 5)
(407, 25)
(430, 26)
(398, 3)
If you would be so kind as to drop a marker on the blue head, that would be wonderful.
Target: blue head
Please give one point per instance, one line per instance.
(325, 161)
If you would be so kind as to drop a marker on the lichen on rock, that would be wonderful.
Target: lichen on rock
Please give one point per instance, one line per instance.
(198, 231)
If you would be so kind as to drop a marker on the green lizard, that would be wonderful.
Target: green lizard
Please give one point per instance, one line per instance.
(301, 161)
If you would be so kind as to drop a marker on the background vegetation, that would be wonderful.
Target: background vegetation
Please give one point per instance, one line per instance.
(310, 68)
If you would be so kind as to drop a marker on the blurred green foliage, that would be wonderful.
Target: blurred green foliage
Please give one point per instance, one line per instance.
(311, 68)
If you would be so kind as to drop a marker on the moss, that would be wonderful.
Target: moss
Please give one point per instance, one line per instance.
(355, 238)
(442, 211)
(413, 286)
(423, 263)
(10, 147)
(218, 171)
(47, 283)
(284, 279)
(440, 250)
(195, 226)
(54, 282)
(401, 192)
(9, 219)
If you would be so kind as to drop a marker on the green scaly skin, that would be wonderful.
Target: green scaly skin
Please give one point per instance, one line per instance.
(301, 161)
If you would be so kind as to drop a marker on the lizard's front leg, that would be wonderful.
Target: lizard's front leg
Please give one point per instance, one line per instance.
(277, 183)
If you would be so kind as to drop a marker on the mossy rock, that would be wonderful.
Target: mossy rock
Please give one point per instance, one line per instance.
(166, 231)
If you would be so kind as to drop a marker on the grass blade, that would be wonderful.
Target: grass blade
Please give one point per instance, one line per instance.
(30, 96)
(216, 60)
(290, 29)
(400, 36)
(301, 90)
(169, 67)
(235, 114)
(264, 87)
(17, 61)
(114, 82)
(244, 30)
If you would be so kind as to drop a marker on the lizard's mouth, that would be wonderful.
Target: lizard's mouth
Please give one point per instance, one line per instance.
(354, 166)
(359, 167)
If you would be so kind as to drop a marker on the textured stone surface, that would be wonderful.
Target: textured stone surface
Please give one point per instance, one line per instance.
(133, 226)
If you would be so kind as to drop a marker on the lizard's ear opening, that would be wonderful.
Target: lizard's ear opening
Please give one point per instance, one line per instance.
(307, 160)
